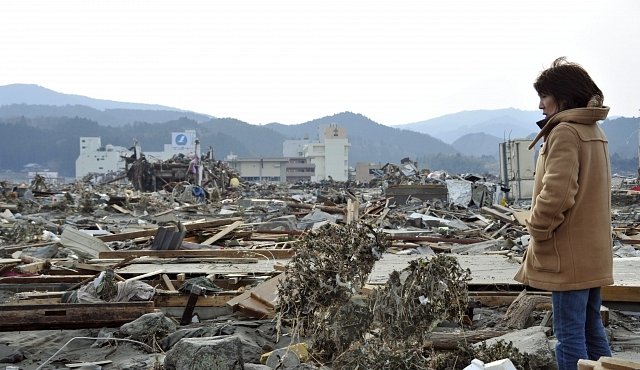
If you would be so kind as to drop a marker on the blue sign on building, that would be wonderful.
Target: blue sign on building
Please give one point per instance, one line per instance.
(181, 140)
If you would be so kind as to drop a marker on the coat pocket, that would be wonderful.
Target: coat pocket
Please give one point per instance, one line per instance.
(545, 255)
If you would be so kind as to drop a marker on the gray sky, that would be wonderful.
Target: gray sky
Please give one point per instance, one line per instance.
(292, 61)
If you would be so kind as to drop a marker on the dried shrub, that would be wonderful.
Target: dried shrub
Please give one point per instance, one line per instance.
(415, 300)
(342, 325)
(329, 265)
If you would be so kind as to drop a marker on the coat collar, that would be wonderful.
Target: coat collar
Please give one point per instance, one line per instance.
(585, 116)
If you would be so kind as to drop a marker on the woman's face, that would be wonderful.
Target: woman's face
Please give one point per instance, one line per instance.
(548, 105)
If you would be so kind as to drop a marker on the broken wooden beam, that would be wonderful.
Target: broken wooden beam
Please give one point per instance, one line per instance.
(499, 215)
(451, 340)
(71, 315)
(222, 233)
(194, 253)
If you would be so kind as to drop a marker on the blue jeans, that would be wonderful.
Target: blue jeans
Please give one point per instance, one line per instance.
(578, 327)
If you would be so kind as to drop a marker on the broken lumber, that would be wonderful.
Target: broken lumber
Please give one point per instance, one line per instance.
(195, 253)
(225, 231)
(177, 299)
(71, 315)
(499, 215)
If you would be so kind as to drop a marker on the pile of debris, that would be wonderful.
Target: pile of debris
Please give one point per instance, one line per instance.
(314, 275)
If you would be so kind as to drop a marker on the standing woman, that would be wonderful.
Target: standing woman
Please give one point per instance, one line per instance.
(570, 253)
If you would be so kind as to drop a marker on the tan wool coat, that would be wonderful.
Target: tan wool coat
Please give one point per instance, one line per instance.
(570, 221)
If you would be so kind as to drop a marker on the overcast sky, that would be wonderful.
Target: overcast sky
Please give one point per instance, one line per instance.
(293, 61)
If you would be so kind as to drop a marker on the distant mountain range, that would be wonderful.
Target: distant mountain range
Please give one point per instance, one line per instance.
(468, 133)
(502, 123)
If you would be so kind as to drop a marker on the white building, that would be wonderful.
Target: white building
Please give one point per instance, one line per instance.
(95, 158)
(281, 170)
(294, 148)
(330, 155)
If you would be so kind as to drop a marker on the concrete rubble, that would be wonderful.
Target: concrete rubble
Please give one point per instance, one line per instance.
(149, 270)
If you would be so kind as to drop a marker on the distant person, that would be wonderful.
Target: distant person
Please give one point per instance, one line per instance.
(570, 253)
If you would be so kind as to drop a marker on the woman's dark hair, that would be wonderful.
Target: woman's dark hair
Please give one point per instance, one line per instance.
(569, 84)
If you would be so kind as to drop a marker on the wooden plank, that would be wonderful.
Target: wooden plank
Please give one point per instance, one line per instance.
(167, 282)
(501, 299)
(71, 316)
(38, 295)
(267, 292)
(503, 209)
(587, 364)
(258, 302)
(20, 287)
(180, 300)
(200, 225)
(7, 261)
(88, 364)
(42, 279)
(37, 301)
(120, 209)
(222, 233)
(618, 293)
(619, 364)
(222, 253)
(498, 271)
(499, 215)
(148, 274)
(262, 267)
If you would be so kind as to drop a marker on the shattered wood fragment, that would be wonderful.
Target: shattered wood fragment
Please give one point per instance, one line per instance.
(222, 233)
(519, 312)
(168, 282)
